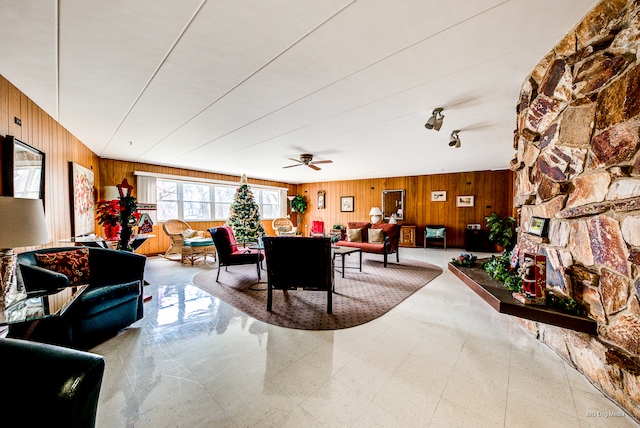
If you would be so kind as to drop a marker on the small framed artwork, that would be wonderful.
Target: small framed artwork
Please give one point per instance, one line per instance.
(82, 200)
(346, 204)
(464, 201)
(538, 226)
(439, 196)
(321, 199)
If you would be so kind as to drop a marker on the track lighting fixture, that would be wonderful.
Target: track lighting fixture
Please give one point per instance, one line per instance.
(454, 141)
(435, 121)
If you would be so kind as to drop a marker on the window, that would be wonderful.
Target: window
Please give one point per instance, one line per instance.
(198, 201)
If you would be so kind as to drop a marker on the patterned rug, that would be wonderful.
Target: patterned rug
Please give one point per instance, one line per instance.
(359, 297)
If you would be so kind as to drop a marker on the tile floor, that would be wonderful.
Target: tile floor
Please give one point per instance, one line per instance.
(442, 358)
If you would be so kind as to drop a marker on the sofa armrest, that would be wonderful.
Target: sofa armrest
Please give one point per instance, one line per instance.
(51, 385)
(36, 278)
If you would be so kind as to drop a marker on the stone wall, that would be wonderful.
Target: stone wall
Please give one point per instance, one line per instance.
(577, 164)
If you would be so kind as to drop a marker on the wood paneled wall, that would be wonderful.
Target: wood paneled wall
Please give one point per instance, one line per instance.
(493, 191)
(113, 172)
(41, 131)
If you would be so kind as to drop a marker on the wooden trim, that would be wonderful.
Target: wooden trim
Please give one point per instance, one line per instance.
(500, 299)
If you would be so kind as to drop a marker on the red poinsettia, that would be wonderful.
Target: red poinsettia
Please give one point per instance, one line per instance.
(108, 212)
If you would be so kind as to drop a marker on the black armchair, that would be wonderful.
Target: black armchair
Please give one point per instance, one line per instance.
(435, 233)
(50, 385)
(112, 301)
(299, 262)
(228, 252)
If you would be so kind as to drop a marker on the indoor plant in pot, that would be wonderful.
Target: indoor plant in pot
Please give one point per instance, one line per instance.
(298, 205)
(501, 231)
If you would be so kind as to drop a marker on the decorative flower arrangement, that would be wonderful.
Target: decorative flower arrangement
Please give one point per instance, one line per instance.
(464, 259)
(108, 212)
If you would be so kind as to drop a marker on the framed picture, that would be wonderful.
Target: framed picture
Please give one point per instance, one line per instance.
(439, 196)
(538, 226)
(82, 200)
(346, 204)
(22, 169)
(321, 199)
(464, 201)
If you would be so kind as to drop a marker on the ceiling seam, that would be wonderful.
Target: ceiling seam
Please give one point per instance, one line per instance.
(153, 75)
(393, 95)
(324, 87)
(249, 76)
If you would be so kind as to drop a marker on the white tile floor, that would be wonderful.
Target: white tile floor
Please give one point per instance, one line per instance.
(442, 358)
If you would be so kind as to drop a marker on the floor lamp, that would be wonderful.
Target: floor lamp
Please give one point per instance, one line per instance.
(22, 224)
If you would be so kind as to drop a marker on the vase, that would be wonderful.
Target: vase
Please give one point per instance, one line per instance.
(112, 233)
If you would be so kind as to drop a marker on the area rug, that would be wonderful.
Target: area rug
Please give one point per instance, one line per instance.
(359, 297)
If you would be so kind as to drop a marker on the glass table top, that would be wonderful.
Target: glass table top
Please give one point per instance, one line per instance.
(35, 307)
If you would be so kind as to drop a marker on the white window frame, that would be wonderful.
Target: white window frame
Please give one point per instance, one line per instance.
(256, 189)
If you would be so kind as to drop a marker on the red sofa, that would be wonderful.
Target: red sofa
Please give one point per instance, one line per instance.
(391, 233)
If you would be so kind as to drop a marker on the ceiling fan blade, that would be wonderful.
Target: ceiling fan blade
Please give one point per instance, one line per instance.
(295, 160)
(291, 166)
(314, 167)
(324, 161)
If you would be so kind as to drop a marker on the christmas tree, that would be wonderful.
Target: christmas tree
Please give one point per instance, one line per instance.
(244, 215)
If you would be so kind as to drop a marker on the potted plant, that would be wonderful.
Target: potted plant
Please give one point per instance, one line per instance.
(501, 231)
(298, 204)
(108, 216)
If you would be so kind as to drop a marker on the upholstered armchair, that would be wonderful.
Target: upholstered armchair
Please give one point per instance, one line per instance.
(189, 243)
(112, 301)
(283, 227)
(49, 385)
(228, 252)
(303, 262)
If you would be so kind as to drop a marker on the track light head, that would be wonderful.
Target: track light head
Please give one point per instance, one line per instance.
(435, 121)
(454, 140)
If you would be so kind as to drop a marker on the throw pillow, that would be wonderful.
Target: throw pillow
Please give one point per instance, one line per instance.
(189, 233)
(354, 235)
(376, 236)
(74, 264)
(435, 233)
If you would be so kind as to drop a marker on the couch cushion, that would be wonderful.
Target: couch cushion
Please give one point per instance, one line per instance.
(354, 235)
(100, 299)
(189, 233)
(74, 264)
(435, 233)
(363, 226)
(390, 231)
(364, 246)
(376, 236)
(198, 242)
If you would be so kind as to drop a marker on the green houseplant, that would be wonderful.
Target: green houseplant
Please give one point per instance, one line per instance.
(501, 231)
(298, 204)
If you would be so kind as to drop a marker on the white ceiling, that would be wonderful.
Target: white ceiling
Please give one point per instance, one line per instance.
(239, 87)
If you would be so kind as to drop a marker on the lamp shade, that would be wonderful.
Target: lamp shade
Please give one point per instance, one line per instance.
(109, 193)
(22, 223)
(375, 211)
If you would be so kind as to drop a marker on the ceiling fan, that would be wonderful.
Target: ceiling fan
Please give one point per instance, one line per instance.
(307, 159)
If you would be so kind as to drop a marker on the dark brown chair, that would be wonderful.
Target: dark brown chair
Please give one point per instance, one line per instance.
(302, 262)
(228, 252)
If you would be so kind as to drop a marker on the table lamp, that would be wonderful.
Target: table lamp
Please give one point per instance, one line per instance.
(22, 224)
(376, 215)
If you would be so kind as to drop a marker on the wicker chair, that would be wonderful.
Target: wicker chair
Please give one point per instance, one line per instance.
(193, 248)
(283, 227)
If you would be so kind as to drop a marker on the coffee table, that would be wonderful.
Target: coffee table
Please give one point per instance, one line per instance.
(343, 251)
